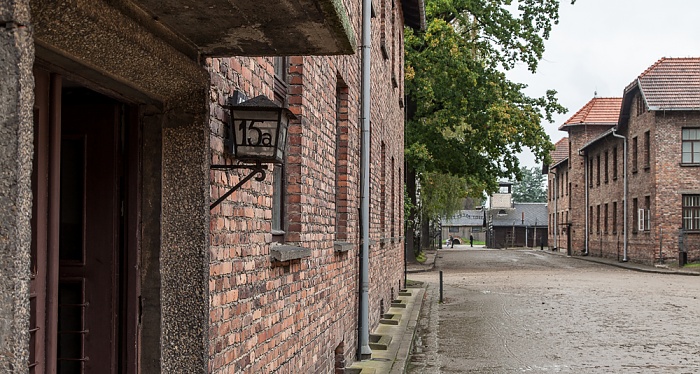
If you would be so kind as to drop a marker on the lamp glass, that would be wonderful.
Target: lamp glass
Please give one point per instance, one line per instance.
(256, 134)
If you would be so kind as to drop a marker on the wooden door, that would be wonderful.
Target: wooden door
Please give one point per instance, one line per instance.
(89, 234)
(84, 288)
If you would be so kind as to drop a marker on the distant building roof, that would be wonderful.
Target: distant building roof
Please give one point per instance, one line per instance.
(561, 151)
(466, 218)
(522, 214)
(598, 111)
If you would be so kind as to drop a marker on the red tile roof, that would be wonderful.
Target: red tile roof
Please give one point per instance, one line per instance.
(561, 151)
(671, 84)
(598, 111)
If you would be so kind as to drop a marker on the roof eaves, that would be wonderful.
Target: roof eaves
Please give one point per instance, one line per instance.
(678, 109)
(556, 164)
(596, 139)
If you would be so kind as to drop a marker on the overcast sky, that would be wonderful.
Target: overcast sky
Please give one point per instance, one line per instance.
(603, 45)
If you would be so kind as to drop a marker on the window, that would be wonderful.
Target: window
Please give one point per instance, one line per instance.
(393, 199)
(277, 194)
(280, 89)
(605, 219)
(281, 63)
(614, 217)
(590, 173)
(383, 30)
(561, 185)
(691, 146)
(634, 154)
(691, 212)
(382, 191)
(614, 163)
(647, 150)
(647, 213)
(597, 221)
(597, 180)
(635, 214)
(605, 176)
(342, 205)
(639, 105)
(590, 218)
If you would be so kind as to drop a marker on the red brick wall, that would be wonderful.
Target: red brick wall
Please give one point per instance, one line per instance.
(604, 241)
(671, 181)
(290, 317)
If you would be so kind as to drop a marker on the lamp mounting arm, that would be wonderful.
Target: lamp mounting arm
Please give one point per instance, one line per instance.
(257, 168)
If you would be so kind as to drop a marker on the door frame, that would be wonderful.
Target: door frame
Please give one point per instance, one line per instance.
(45, 235)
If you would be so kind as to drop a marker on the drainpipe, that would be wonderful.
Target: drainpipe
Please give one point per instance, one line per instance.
(624, 204)
(364, 350)
(556, 223)
(585, 188)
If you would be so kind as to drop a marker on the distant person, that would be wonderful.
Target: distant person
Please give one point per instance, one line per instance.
(471, 240)
(452, 242)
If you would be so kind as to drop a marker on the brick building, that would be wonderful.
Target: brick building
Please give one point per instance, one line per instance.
(113, 113)
(566, 176)
(658, 177)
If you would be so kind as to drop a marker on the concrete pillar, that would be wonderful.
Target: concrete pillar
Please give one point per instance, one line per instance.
(16, 147)
(184, 255)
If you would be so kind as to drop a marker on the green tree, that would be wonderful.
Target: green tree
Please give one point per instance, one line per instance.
(530, 188)
(465, 118)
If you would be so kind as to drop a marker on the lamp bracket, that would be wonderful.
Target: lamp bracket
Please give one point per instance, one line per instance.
(257, 168)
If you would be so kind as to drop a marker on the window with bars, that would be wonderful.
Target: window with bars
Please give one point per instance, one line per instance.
(691, 146)
(691, 212)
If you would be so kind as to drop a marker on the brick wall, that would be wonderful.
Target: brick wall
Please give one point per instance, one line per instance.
(301, 315)
(605, 239)
(671, 181)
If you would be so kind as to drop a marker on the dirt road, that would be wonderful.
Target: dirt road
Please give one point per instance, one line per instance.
(529, 311)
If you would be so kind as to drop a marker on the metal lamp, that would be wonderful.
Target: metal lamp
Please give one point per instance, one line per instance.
(257, 136)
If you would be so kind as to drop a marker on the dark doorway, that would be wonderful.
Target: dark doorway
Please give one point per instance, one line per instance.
(84, 294)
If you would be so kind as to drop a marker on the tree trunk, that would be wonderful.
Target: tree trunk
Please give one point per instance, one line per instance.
(425, 237)
(410, 228)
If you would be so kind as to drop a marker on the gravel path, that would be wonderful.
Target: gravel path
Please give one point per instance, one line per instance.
(529, 311)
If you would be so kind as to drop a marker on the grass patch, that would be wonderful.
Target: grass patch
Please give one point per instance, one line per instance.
(413, 283)
(694, 265)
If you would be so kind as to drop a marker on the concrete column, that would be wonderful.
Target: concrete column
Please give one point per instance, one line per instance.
(184, 251)
(16, 148)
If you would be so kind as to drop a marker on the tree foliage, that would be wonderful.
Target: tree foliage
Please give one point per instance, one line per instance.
(530, 188)
(441, 194)
(466, 118)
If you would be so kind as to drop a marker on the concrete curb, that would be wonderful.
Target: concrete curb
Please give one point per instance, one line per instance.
(393, 357)
(626, 265)
(406, 344)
